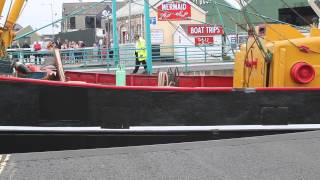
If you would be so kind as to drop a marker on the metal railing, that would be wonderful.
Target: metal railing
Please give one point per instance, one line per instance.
(90, 56)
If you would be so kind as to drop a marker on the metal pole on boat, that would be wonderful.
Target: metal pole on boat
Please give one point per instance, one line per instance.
(148, 36)
(130, 35)
(115, 33)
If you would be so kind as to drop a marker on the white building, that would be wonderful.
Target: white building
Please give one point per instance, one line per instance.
(199, 41)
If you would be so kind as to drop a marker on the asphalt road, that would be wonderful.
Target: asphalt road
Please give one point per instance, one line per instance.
(280, 157)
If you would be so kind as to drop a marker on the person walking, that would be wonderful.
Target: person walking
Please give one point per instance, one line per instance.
(15, 46)
(58, 43)
(26, 51)
(140, 53)
(111, 50)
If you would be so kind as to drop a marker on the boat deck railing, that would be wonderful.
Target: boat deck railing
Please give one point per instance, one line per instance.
(91, 56)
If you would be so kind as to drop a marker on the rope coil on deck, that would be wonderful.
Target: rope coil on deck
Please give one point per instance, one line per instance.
(163, 79)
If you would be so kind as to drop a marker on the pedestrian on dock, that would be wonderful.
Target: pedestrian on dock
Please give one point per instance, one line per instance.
(140, 53)
(111, 50)
(26, 51)
(37, 55)
(50, 46)
(58, 43)
(15, 46)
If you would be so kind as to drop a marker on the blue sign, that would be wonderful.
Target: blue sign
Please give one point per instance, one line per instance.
(153, 20)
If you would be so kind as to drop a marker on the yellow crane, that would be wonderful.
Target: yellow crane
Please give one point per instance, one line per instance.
(6, 32)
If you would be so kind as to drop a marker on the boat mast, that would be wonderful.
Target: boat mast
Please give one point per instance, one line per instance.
(1, 6)
(7, 35)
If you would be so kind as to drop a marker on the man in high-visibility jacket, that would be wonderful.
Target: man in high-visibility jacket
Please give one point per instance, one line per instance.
(141, 53)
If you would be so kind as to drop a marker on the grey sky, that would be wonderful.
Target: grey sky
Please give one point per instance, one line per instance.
(37, 13)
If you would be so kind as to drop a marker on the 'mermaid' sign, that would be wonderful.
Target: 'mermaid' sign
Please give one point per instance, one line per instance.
(174, 11)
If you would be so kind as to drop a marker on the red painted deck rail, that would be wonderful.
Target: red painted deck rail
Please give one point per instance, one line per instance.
(143, 80)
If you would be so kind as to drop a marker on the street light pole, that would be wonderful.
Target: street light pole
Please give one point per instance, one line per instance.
(130, 35)
(148, 35)
(52, 20)
(51, 4)
(115, 33)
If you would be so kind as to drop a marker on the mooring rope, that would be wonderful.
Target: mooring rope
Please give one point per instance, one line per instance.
(163, 79)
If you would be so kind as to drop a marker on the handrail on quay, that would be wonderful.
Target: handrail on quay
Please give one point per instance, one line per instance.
(181, 55)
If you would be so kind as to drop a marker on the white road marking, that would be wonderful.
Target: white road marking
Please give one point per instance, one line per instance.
(4, 162)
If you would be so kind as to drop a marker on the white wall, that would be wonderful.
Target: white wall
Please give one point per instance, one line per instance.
(185, 43)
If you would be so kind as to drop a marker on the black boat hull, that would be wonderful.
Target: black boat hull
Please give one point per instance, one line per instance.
(21, 141)
(27, 102)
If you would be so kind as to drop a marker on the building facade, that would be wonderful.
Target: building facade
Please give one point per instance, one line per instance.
(89, 26)
(93, 18)
(31, 38)
(204, 42)
(162, 30)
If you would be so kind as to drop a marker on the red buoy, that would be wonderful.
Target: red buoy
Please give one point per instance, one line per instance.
(302, 73)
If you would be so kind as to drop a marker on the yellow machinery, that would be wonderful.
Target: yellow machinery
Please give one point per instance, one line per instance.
(6, 33)
(278, 55)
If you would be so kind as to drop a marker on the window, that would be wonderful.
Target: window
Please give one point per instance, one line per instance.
(89, 22)
(138, 31)
(98, 22)
(317, 2)
(72, 22)
(108, 27)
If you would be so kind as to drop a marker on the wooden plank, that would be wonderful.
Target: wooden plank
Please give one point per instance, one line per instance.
(60, 70)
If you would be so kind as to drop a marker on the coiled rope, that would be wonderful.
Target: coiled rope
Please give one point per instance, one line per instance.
(163, 79)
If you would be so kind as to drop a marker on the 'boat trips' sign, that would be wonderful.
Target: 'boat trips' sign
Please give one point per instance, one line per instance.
(204, 30)
(199, 41)
(174, 10)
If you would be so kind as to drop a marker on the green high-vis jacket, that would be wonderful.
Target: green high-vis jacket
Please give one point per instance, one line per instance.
(141, 49)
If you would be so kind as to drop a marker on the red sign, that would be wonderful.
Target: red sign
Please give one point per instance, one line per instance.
(204, 30)
(198, 41)
(174, 10)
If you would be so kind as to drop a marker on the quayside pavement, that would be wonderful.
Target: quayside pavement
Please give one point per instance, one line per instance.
(292, 156)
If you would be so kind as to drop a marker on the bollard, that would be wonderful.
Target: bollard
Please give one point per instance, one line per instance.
(120, 76)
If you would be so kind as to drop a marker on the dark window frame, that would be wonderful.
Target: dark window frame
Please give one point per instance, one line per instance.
(90, 22)
(72, 23)
(98, 22)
